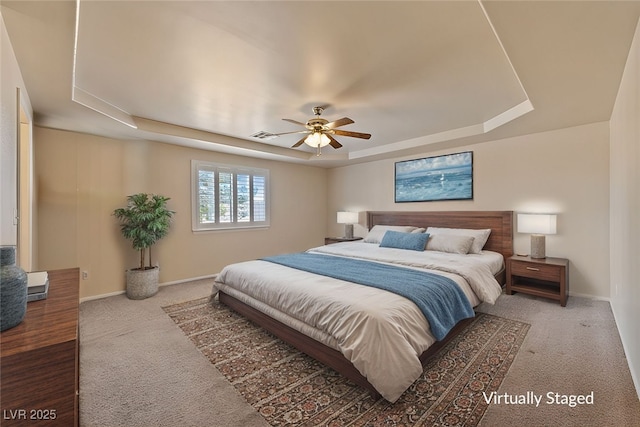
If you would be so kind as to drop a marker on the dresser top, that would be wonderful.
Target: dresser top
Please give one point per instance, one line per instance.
(49, 321)
(547, 260)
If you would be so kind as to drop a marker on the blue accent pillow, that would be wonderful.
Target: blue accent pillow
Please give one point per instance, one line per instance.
(399, 240)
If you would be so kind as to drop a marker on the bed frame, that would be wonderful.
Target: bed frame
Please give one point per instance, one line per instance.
(500, 240)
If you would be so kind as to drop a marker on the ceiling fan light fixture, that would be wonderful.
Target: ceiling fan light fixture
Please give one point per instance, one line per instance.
(317, 139)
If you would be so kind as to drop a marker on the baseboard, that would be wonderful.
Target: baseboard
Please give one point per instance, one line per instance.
(634, 374)
(175, 282)
(95, 297)
(191, 279)
(589, 296)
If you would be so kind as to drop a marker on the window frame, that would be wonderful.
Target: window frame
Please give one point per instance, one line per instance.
(235, 170)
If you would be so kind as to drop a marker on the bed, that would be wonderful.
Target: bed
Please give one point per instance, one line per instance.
(379, 340)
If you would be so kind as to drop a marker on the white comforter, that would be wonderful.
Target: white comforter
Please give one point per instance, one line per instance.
(381, 333)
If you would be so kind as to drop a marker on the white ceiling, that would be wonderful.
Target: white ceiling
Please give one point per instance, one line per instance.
(417, 75)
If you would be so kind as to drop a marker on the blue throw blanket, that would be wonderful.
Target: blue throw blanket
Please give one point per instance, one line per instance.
(439, 298)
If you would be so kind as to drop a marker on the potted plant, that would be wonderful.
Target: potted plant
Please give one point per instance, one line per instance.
(144, 221)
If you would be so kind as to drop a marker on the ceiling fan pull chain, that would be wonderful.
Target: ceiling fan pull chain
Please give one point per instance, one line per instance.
(319, 151)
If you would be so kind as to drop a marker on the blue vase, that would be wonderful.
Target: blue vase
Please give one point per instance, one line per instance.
(13, 289)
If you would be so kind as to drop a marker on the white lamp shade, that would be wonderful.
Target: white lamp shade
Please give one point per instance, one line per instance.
(347, 217)
(317, 139)
(537, 223)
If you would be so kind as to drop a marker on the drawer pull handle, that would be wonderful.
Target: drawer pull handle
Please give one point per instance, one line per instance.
(533, 269)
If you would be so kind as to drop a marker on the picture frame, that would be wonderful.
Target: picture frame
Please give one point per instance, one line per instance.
(437, 178)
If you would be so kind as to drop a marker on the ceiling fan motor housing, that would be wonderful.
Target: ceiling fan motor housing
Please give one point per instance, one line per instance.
(317, 124)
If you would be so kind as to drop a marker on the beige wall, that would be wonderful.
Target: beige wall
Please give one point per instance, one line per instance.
(564, 172)
(83, 178)
(625, 208)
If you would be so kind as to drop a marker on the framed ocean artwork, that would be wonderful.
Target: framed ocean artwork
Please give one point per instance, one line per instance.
(447, 177)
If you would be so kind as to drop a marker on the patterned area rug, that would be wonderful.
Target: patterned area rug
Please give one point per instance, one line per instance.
(289, 388)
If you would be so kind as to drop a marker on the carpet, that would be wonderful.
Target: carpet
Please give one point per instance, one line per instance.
(289, 388)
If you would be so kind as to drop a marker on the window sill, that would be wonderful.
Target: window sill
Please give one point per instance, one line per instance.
(235, 228)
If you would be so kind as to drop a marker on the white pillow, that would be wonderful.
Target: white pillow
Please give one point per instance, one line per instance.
(418, 230)
(376, 233)
(452, 243)
(480, 236)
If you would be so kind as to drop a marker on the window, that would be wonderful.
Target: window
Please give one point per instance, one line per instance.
(227, 196)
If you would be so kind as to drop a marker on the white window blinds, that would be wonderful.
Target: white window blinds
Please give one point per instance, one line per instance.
(228, 196)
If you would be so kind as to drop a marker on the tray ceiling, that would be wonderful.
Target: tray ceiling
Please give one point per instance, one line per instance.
(416, 75)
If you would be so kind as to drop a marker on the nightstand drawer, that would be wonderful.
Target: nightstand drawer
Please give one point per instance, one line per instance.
(537, 271)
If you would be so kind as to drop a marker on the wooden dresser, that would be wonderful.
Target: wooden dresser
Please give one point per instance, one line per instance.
(39, 368)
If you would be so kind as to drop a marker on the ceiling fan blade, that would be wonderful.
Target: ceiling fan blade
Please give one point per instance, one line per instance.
(333, 143)
(352, 134)
(340, 122)
(299, 143)
(295, 122)
(288, 133)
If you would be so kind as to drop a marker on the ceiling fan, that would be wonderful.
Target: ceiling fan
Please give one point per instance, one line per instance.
(319, 132)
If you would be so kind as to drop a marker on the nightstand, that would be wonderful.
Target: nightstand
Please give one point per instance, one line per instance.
(545, 277)
(330, 240)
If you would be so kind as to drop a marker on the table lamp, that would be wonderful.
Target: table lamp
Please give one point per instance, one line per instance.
(348, 219)
(538, 225)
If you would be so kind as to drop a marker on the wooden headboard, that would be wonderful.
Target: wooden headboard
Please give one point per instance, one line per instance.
(500, 223)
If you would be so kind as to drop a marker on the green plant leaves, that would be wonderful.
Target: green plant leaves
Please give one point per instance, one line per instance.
(144, 221)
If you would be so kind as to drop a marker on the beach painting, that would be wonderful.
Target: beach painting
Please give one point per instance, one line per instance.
(447, 177)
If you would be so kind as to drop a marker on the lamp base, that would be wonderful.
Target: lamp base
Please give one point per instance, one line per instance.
(348, 231)
(538, 246)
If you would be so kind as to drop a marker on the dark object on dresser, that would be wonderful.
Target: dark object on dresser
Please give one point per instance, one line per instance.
(13, 289)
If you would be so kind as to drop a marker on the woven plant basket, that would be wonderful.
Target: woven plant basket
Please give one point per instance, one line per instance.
(142, 284)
